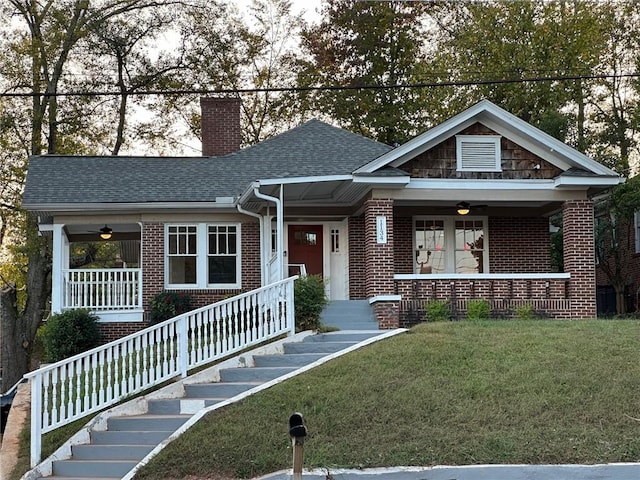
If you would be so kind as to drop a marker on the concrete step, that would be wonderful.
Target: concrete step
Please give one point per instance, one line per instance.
(128, 438)
(355, 337)
(93, 468)
(253, 374)
(177, 406)
(146, 423)
(218, 390)
(289, 360)
(110, 452)
(349, 315)
(316, 347)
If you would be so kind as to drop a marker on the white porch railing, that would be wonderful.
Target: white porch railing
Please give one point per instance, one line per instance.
(86, 383)
(102, 289)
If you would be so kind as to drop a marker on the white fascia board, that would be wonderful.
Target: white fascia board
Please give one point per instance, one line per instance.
(415, 146)
(102, 207)
(588, 181)
(494, 117)
(456, 184)
(382, 180)
(429, 138)
(554, 147)
(294, 180)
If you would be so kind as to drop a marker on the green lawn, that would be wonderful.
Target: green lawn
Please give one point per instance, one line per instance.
(444, 393)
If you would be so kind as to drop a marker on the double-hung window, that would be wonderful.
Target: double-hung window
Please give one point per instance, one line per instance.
(182, 254)
(450, 245)
(203, 256)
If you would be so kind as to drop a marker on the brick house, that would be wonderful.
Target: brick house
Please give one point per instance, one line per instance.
(456, 213)
(627, 265)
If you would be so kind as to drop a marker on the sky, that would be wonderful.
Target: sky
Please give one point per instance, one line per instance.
(310, 7)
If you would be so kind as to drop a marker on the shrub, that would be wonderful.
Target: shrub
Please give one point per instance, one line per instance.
(166, 305)
(478, 309)
(69, 333)
(524, 312)
(309, 302)
(437, 311)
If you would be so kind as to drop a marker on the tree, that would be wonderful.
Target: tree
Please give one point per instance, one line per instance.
(40, 47)
(614, 234)
(226, 50)
(508, 42)
(368, 43)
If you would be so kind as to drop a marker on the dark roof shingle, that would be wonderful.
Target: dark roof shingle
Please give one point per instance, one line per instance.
(312, 149)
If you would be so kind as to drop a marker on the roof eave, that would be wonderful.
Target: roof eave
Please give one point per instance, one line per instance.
(120, 207)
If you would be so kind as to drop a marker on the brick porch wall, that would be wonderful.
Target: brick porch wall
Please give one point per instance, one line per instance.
(519, 245)
(578, 249)
(403, 244)
(357, 262)
(548, 297)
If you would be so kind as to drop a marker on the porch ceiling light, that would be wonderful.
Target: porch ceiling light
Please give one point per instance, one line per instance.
(463, 208)
(105, 233)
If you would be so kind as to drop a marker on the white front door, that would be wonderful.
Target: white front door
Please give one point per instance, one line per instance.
(337, 276)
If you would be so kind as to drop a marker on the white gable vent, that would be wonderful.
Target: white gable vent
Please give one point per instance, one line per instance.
(478, 153)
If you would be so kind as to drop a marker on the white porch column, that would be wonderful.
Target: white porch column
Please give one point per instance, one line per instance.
(60, 261)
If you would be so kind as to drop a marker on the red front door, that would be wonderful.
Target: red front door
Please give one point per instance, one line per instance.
(305, 247)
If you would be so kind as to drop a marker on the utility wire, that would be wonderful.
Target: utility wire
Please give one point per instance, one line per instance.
(459, 83)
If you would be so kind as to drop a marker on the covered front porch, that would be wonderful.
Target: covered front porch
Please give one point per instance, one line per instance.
(419, 251)
(97, 267)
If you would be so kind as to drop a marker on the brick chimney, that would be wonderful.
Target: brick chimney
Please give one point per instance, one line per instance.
(220, 126)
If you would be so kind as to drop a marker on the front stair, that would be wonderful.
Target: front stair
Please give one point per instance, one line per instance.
(349, 315)
(114, 452)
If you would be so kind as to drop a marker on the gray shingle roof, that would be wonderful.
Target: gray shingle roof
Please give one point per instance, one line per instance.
(312, 149)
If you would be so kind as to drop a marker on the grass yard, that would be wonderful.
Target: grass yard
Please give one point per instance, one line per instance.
(444, 393)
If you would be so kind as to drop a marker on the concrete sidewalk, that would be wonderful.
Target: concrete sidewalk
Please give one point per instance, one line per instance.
(617, 471)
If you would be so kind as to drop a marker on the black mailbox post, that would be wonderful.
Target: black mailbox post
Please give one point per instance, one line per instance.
(297, 432)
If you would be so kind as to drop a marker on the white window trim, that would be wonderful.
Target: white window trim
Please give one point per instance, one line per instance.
(488, 139)
(450, 233)
(202, 232)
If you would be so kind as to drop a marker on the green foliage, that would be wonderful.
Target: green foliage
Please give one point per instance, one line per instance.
(437, 311)
(557, 251)
(69, 333)
(505, 392)
(168, 304)
(389, 36)
(524, 312)
(478, 309)
(310, 299)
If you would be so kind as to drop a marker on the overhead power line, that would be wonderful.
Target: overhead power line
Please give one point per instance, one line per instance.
(457, 83)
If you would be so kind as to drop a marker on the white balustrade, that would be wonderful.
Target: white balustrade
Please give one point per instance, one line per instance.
(89, 382)
(102, 289)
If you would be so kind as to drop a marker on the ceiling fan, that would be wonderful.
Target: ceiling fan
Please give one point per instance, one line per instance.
(105, 232)
(464, 208)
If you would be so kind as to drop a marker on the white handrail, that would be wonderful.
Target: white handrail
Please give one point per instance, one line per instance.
(91, 381)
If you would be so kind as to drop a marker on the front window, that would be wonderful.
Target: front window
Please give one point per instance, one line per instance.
(182, 254)
(223, 253)
(450, 245)
(431, 246)
(469, 254)
(203, 256)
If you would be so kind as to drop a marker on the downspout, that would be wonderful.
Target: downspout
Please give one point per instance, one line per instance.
(279, 223)
(263, 273)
